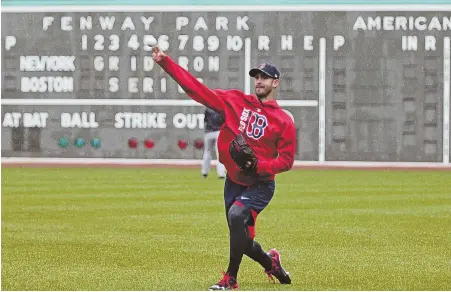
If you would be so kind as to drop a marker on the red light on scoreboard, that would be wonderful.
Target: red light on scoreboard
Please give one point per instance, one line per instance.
(148, 143)
(199, 143)
(133, 143)
(182, 144)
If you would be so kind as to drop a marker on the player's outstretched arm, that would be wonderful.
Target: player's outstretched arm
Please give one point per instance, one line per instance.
(286, 146)
(193, 88)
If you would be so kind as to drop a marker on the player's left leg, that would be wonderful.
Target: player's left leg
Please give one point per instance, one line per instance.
(276, 268)
(255, 251)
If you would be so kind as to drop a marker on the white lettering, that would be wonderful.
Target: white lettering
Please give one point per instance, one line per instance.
(83, 120)
(200, 24)
(198, 64)
(66, 23)
(113, 63)
(149, 41)
(163, 85)
(11, 120)
(114, 42)
(243, 118)
(435, 24)
(429, 43)
(133, 85)
(133, 63)
(147, 22)
(190, 121)
(286, 42)
(163, 42)
(128, 24)
(446, 23)
(183, 62)
(213, 43)
(98, 63)
(133, 42)
(140, 120)
(114, 84)
(47, 22)
(47, 84)
(183, 38)
(47, 63)
(389, 23)
(401, 23)
(99, 40)
(221, 23)
(85, 23)
(263, 42)
(147, 85)
(107, 23)
(35, 120)
(374, 23)
(409, 43)
(308, 43)
(420, 23)
(198, 43)
(359, 24)
(10, 41)
(339, 41)
(234, 43)
(241, 23)
(213, 63)
(148, 63)
(181, 21)
(84, 42)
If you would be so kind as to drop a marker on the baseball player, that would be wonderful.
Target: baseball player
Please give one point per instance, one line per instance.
(256, 142)
(213, 122)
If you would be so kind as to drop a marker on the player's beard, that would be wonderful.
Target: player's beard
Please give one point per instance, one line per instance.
(262, 93)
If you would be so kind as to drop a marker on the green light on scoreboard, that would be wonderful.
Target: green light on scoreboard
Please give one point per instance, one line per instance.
(63, 142)
(95, 143)
(79, 142)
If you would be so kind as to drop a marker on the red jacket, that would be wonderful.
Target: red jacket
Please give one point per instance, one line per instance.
(270, 130)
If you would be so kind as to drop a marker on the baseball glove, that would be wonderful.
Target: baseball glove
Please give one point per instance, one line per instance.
(242, 154)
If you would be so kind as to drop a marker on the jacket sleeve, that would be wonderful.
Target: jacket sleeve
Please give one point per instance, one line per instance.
(193, 87)
(286, 147)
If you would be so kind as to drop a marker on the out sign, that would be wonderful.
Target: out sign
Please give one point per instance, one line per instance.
(190, 121)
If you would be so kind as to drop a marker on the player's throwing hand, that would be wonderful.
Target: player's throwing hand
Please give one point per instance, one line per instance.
(157, 54)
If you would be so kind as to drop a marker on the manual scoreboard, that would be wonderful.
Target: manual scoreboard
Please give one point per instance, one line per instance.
(367, 86)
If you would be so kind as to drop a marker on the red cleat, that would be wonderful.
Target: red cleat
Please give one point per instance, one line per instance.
(277, 270)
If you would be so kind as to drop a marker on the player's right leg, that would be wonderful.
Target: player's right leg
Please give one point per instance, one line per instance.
(238, 236)
(227, 282)
(237, 219)
(220, 168)
(208, 143)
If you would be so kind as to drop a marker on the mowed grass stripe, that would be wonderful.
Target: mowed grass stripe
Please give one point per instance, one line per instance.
(164, 229)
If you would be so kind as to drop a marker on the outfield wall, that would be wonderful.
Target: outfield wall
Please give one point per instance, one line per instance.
(365, 83)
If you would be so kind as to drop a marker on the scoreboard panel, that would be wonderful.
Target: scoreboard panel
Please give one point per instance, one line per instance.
(166, 126)
(367, 86)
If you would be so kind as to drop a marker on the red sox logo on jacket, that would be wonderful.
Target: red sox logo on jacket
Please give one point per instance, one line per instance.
(253, 123)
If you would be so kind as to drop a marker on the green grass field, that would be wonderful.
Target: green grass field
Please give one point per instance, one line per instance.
(164, 229)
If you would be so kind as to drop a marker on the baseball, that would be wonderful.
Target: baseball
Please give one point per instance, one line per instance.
(152, 42)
